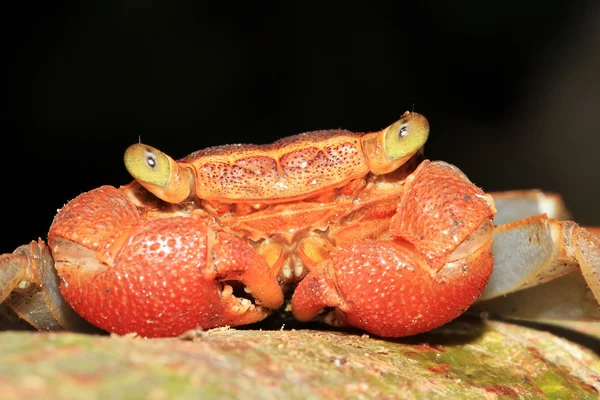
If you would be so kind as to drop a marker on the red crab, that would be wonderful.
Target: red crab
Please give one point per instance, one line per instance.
(356, 227)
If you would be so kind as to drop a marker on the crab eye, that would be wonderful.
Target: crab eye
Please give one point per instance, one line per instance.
(403, 131)
(147, 164)
(150, 160)
(406, 136)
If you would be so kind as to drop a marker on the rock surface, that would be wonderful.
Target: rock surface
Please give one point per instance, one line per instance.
(467, 359)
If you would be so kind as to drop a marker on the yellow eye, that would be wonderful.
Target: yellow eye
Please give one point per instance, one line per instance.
(147, 164)
(406, 136)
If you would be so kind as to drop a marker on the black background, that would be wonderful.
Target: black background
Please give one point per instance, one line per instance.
(511, 88)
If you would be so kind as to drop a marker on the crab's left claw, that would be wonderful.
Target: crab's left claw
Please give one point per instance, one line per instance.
(435, 265)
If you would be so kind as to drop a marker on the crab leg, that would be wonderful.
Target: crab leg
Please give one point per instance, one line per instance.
(161, 277)
(544, 268)
(530, 252)
(29, 287)
(12, 271)
(565, 298)
(520, 204)
(435, 265)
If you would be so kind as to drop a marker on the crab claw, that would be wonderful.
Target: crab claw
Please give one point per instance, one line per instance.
(157, 277)
(434, 267)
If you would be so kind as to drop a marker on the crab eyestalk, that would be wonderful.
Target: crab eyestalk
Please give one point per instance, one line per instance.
(159, 173)
(393, 146)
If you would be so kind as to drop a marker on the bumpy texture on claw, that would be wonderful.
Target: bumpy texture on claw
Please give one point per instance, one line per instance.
(436, 265)
(157, 277)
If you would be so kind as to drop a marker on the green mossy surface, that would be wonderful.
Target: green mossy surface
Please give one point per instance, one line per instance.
(467, 359)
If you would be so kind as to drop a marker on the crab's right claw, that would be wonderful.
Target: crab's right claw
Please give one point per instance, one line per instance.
(158, 277)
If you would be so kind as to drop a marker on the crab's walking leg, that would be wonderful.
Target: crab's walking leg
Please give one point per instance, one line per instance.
(159, 277)
(564, 298)
(29, 287)
(434, 266)
(544, 268)
(530, 252)
(521, 204)
(12, 270)
(513, 291)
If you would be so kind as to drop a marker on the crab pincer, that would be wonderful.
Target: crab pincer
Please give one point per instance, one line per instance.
(160, 277)
(433, 266)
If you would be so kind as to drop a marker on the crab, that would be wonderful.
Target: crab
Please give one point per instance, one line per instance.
(351, 229)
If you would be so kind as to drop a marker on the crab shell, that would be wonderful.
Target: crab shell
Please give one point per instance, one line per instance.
(351, 226)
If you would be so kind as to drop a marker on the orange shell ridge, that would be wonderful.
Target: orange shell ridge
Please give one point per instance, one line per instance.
(291, 168)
